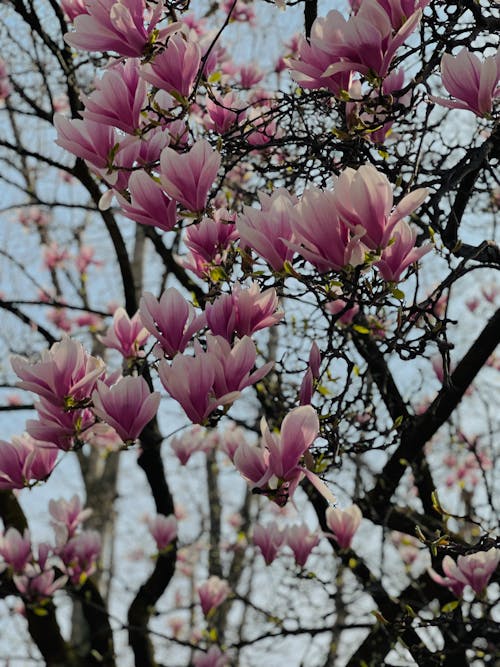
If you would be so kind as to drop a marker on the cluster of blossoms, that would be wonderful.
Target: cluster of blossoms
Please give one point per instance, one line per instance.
(73, 554)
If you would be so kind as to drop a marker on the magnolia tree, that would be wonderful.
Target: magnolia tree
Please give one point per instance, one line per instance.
(249, 299)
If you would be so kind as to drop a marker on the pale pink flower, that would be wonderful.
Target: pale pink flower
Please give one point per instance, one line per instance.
(194, 440)
(85, 258)
(117, 26)
(172, 321)
(73, 8)
(65, 375)
(190, 380)
(243, 312)
(54, 256)
(127, 335)
(24, 460)
(188, 177)
(209, 242)
(232, 373)
(148, 204)
(57, 425)
(400, 253)
(276, 470)
(225, 112)
(364, 199)
(33, 584)
(474, 83)
(79, 556)
(163, 529)
(474, 570)
(321, 237)
(212, 658)
(213, 593)
(127, 406)
(269, 539)
(118, 98)
(301, 541)
(268, 230)
(340, 306)
(91, 141)
(343, 524)
(68, 515)
(175, 68)
(250, 76)
(15, 549)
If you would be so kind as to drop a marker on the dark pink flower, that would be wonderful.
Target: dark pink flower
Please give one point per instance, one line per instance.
(269, 539)
(127, 335)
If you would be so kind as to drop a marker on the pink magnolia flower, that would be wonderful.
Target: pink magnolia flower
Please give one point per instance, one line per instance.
(474, 570)
(276, 470)
(127, 406)
(212, 658)
(225, 112)
(65, 375)
(68, 515)
(400, 10)
(402, 252)
(57, 425)
(269, 539)
(91, 141)
(301, 541)
(268, 230)
(174, 69)
(364, 199)
(320, 235)
(172, 320)
(243, 312)
(54, 256)
(15, 550)
(188, 177)
(118, 98)
(126, 334)
(35, 584)
(339, 306)
(209, 242)
(25, 459)
(194, 440)
(85, 258)
(163, 529)
(116, 26)
(212, 594)
(474, 83)
(232, 373)
(148, 204)
(306, 388)
(343, 524)
(190, 380)
(79, 556)
(73, 8)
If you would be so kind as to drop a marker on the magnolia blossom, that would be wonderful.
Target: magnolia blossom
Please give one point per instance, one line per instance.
(274, 469)
(243, 312)
(15, 550)
(343, 524)
(364, 200)
(188, 177)
(127, 406)
(174, 69)
(268, 230)
(117, 26)
(474, 570)
(79, 556)
(163, 529)
(25, 459)
(400, 253)
(65, 375)
(225, 112)
(212, 594)
(209, 242)
(148, 204)
(212, 658)
(474, 83)
(118, 98)
(172, 320)
(301, 541)
(126, 334)
(67, 516)
(269, 539)
(34, 584)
